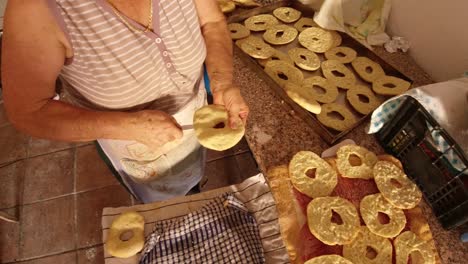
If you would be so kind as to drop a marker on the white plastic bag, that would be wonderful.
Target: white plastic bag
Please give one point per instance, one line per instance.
(363, 19)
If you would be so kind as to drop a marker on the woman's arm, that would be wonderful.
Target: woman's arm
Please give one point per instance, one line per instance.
(33, 55)
(219, 60)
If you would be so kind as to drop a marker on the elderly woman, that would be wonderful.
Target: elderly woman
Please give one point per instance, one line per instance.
(132, 77)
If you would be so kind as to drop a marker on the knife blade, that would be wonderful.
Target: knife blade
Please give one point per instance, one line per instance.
(186, 127)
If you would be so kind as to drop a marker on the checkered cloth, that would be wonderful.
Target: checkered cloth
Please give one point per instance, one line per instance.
(223, 231)
(388, 109)
(254, 193)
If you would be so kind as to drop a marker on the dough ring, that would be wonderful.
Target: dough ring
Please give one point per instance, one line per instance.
(339, 74)
(336, 38)
(322, 226)
(395, 186)
(280, 34)
(330, 94)
(304, 23)
(357, 250)
(316, 39)
(287, 14)
(238, 31)
(256, 48)
(278, 55)
(131, 223)
(260, 22)
(389, 85)
(353, 96)
(367, 69)
(282, 73)
(341, 54)
(366, 161)
(226, 6)
(328, 259)
(325, 177)
(304, 59)
(239, 42)
(336, 123)
(212, 128)
(373, 205)
(408, 243)
(302, 97)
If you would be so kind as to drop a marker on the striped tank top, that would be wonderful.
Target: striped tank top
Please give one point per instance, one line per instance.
(115, 68)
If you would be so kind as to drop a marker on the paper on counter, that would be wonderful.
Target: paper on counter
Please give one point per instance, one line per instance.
(397, 43)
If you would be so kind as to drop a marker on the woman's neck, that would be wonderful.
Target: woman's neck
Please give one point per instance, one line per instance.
(137, 10)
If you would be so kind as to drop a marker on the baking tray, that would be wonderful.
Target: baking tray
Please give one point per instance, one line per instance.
(327, 134)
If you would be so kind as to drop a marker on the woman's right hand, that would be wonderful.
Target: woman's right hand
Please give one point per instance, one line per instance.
(154, 128)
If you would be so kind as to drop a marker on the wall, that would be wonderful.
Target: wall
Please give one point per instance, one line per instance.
(438, 32)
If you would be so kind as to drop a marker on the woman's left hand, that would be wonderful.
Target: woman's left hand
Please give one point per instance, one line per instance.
(231, 98)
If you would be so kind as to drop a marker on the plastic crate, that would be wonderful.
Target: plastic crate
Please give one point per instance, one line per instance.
(408, 137)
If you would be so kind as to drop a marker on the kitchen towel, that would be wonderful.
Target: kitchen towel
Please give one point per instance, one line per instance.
(223, 231)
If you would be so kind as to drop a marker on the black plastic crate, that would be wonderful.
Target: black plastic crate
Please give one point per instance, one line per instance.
(445, 187)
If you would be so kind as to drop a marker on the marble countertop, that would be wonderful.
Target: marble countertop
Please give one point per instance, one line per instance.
(275, 134)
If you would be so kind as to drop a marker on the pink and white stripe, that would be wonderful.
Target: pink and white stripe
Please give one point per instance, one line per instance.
(114, 68)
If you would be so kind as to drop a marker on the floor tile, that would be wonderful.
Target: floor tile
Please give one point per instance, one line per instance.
(11, 177)
(247, 165)
(91, 171)
(214, 155)
(220, 173)
(48, 176)
(66, 258)
(42, 146)
(3, 118)
(94, 255)
(13, 144)
(89, 211)
(241, 147)
(84, 143)
(9, 239)
(48, 227)
(10, 214)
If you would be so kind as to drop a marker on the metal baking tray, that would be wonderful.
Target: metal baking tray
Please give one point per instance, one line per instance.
(328, 134)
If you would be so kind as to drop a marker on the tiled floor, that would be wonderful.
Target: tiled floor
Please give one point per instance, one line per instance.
(58, 190)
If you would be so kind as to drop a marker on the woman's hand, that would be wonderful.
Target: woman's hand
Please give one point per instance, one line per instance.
(231, 98)
(154, 128)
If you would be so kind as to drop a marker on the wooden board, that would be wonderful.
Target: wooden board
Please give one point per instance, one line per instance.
(329, 135)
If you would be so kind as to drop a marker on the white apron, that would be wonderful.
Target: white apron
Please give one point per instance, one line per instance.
(167, 172)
